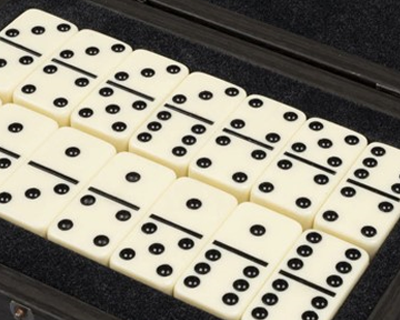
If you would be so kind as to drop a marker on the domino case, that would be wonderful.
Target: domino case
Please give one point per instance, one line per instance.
(335, 60)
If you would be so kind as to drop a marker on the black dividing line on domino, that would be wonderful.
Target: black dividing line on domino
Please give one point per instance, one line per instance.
(240, 253)
(248, 139)
(374, 190)
(307, 283)
(176, 226)
(310, 163)
(53, 172)
(9, 153)
(189, 114)
(70, 66)
(114, 198)
(21, 47)
(132, 91)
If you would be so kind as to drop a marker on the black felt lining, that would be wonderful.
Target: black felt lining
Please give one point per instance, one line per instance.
(366, 28)
(126, 298)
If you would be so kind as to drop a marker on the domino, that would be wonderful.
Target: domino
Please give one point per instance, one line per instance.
(40, 189)
(139, 85)
(103, 214)
(312, 281)
(172, 233)
(242, 149)
(70, 74)
(307, 170)
(229, 271)
(21, 132)
(25, 43)
(365, 206)
(188, 119)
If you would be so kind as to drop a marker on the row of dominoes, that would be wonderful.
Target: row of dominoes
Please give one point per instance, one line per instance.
(253, 147)
(180, 236)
